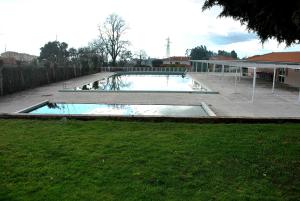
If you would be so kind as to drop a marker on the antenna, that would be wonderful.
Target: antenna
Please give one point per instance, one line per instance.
(168, 47)
(5, 48)
(56, 37)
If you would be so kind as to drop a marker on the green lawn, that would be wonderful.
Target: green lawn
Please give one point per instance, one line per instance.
(111, 160)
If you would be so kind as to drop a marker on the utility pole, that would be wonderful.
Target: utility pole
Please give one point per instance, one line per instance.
(168, 47)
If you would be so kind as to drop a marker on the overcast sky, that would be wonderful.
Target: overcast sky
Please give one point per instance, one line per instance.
(26, 25)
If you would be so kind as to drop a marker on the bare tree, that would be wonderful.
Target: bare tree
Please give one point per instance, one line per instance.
(98, 47)
(111, 33)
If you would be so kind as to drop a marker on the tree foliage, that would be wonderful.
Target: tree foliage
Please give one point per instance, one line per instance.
(202, 53)
(199, 53)
(269, 19)
(232, 54)
(125, 58)
(224, 53)
(55, 52)
(73, 55)
(111, 34)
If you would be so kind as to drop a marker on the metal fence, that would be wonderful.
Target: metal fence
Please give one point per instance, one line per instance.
(146, 69)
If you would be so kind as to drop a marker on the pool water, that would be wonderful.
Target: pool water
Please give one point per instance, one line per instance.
(120, 109)
(145, 82)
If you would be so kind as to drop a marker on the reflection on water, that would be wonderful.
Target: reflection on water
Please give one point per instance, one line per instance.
(120, 109)
(145, 82)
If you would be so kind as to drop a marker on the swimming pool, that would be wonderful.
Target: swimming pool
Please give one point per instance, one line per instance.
(120, 110)
(156, 82)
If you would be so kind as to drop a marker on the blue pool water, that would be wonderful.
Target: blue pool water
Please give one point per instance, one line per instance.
(119, 109)
(145, 82)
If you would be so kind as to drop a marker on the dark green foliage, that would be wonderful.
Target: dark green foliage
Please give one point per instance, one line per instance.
(95, 61)
(269, 19)
(125, 57)
(224, 53)
(73, 55)
(55, 52)
(25, 77)
(157, 62)
(85, 65)
(233, 54)
(200, 53)
(1, 62)
(110, 160)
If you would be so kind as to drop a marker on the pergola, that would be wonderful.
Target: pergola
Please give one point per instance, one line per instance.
(239, 64)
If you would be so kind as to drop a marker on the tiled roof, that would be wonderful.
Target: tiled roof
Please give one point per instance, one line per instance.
(289, 57)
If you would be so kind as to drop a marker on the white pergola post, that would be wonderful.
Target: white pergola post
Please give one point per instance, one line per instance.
(222, 71)
(193, 65)
(207, 67)
(235, 79)
(196, 67)
(241, 73)
(201, 69)
(274, 77)
(214, 68)
(253, 84)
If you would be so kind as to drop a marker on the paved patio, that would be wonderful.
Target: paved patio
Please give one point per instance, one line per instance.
(283, 103)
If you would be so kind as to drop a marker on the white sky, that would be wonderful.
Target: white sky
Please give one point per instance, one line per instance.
(26, 25)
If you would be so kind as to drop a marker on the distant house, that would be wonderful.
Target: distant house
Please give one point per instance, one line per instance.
(10, 57)
(177, 61)
(286, 76)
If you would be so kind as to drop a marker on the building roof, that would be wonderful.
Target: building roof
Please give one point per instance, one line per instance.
(223, 58)
(11, 53)
(177, 58)
(284, 57)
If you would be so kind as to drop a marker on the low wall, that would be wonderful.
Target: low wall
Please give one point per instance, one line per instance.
(214, 120)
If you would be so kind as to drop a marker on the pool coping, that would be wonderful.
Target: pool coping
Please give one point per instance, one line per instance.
(205, 107)
(144, 91)
(136, 91)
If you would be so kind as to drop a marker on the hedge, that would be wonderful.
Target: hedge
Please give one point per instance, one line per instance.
(18, 78)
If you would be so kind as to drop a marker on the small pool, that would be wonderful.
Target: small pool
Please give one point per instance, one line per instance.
(120, 110)
(146, 82)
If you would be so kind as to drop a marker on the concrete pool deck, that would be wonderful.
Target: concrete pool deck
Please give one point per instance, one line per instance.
(283, 103)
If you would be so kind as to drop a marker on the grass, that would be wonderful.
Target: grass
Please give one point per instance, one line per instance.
(111, 160)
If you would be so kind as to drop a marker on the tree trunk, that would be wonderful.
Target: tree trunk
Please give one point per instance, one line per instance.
(114, 61)
(74, 68)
